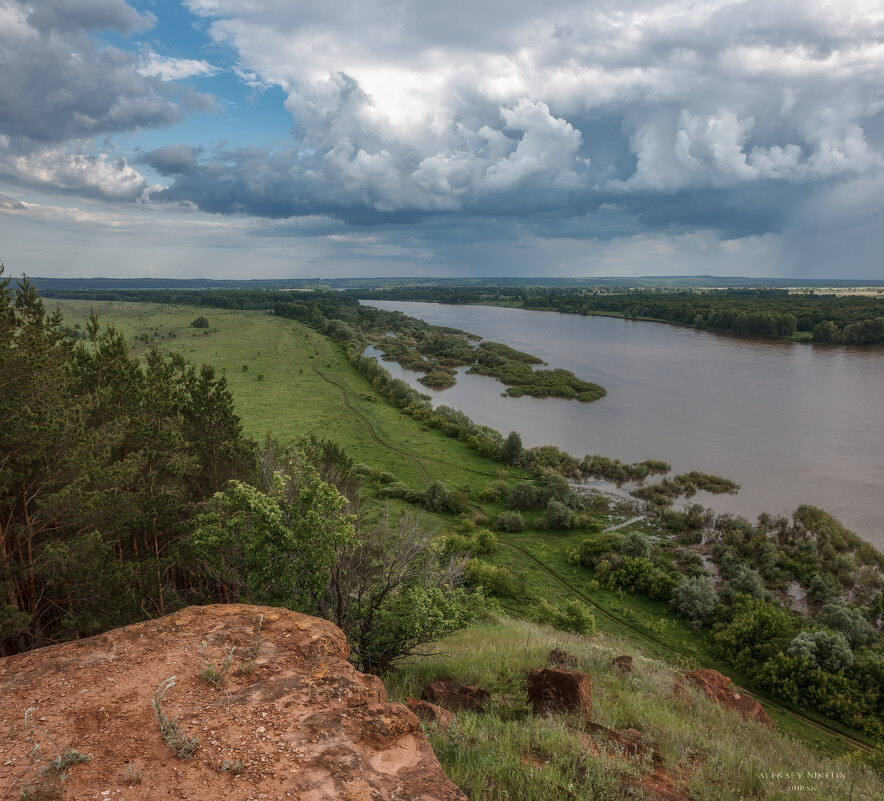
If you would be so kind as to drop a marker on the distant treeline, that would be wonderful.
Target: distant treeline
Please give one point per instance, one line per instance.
(417, 345)
(769, 313)
(625, 282)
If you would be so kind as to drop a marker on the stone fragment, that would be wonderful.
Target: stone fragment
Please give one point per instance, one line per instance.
(718, 688)
(559, 690)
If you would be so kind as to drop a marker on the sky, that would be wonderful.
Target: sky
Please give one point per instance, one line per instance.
(286, 139)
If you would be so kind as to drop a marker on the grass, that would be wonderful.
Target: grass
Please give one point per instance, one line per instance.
(296, 395)
(170, 729)
(47, 782)
(309, 387)
(507, 753)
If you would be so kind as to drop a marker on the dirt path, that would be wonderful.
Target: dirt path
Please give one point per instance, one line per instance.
(371, 432)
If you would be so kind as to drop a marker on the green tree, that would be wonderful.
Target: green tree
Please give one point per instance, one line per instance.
(849, 621)
(557, 514)
(823, 649)
(276, 547)
(695, 598)
(436, 497)
(757, 629)
(511, 449)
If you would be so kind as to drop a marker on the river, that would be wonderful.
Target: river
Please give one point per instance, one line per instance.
(790, 423)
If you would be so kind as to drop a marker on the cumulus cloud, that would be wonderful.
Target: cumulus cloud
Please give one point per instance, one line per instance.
(57, 169)
(421, 108)
(48, 16)
(58, 84)
(173, 69)
(171, 159)
(612, 119)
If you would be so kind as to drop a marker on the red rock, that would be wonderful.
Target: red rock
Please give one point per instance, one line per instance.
(623, 663)
(449, 695)
(561, 658)
(304, 721)
(718, 688)
(430, 713)
(629, 742)
(559, 690)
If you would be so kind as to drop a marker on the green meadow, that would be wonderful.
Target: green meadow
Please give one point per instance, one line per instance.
(288, 380)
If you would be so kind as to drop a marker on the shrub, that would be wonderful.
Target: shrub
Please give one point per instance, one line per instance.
(485, 541)
(573, 616)
(494, 492)
(459, 501)
(557, 514)
(522, 496)
(850, 622)
(509, 521)
(591, 550)
(494, 580)
(695, 598)
(831, 652)
(636, 544)
(200, 322)
(436, 497)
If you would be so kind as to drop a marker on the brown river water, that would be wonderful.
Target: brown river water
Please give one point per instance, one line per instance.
(791, 423)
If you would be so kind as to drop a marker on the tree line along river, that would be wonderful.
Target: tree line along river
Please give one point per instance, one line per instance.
(790, 423)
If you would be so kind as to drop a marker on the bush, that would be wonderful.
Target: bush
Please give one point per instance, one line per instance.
(459, 501)
(636, 544)
(850, 622)
(695, 598)
(591, 550)
(494, 492)
(522, 496)
(494, 580)
(509, 521)
(437, 497)
(485, 541)
(831, 652)
(557, 514)
(200, 322)
(573, 616)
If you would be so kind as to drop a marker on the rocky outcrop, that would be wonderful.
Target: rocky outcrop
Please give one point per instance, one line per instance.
(623, 663)
(558, 690)
(718, 688)
(561, 658)
(430, 713)
(455, 697)
(287, 716)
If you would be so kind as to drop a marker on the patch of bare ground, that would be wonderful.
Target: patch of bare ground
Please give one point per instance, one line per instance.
(288, 717)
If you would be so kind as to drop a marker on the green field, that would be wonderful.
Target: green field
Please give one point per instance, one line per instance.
(298, 382)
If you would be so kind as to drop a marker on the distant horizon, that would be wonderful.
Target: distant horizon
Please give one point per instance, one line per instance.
(502, 280)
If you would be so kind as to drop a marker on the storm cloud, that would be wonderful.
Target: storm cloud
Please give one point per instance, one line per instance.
(419, 108)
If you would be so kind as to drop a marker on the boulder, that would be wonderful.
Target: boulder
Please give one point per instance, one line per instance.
(718, 688)
(430, 713)
(623, 663)
(454, 697)
(561, 658)
(560, 690)
(301, 722)
(629, 742)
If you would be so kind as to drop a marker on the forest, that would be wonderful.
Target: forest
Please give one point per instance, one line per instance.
(127, 491)
(767, 313)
